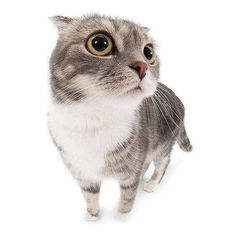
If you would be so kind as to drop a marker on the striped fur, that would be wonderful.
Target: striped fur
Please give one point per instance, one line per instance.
(101, 125)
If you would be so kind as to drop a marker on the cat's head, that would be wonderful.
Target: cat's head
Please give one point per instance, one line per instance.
(101, 58)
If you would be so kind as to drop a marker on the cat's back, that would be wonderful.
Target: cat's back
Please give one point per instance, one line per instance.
(163, 115)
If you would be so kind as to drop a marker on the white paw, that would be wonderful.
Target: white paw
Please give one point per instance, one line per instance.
(149, 186)
(90, 217)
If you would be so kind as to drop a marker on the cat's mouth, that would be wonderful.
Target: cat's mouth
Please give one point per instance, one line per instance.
(135, 89)
(144, 88)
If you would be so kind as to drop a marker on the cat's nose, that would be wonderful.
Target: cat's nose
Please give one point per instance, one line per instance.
(140, 67)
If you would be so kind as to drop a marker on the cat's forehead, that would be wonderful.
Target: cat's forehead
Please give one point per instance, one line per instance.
(114, 24)
(122, 31)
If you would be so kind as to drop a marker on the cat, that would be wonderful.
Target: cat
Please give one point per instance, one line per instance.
(109, 115)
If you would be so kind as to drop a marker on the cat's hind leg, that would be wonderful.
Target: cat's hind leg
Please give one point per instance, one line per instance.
(160, 165)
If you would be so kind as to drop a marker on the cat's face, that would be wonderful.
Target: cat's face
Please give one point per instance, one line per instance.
(102, 58)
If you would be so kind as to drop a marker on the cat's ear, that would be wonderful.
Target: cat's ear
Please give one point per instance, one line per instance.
(62, 23)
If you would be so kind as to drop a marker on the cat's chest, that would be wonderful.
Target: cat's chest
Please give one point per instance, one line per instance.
(85, 142)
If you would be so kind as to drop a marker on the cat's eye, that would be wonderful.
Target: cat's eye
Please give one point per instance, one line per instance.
(148, 52)
(100, 45)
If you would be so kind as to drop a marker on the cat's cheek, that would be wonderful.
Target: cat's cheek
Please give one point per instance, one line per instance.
(148, 86)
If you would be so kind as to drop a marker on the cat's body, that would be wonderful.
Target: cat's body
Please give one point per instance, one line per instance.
(115, 135)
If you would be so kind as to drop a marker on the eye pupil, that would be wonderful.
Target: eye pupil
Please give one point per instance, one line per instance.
(99, 43)
(148, 53)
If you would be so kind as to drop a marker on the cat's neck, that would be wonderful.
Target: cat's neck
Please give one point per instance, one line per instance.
(96, 116)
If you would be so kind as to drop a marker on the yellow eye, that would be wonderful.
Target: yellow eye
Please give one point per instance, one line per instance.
(100, 45)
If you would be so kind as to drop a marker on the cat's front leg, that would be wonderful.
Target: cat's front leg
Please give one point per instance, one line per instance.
(128, 190)
(91, 191)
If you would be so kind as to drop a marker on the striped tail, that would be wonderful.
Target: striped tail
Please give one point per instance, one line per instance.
(183, 141)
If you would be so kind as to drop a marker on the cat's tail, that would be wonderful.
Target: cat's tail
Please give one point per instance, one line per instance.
(183, 140)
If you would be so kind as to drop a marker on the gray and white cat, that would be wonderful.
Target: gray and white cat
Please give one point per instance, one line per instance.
(109, 115)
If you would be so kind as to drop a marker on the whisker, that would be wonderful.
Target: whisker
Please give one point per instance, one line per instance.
(168, 112)
(154, 102)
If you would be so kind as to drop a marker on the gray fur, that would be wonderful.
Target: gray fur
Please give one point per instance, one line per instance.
(159, 119)
(113, 74)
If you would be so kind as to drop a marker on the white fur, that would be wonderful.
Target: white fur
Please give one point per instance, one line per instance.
(150, 186)
(148, 85)
(86, 133)
(89, 217)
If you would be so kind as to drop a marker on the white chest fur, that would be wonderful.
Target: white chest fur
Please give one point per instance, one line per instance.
(86, 135)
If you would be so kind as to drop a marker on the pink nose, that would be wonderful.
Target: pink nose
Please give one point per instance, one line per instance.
(140, 67)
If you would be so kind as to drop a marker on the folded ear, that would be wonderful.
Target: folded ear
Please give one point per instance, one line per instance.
(62, 23)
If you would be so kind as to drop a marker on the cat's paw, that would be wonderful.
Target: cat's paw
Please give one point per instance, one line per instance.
(149, 186)
(90, 217)
(125, 207)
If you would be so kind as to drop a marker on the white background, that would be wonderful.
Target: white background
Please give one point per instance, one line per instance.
(197, 48)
